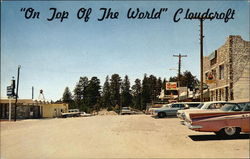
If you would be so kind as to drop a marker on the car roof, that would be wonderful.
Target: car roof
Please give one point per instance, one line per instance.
(218, 102)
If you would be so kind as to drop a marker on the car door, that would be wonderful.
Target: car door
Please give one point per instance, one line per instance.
(246, 119)
(174, 109)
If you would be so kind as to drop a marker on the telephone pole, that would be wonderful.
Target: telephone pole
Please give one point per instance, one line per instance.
(201, 59)
(18, 72)
(201, 54)
(179, 72)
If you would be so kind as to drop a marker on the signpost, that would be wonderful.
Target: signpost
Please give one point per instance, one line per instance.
(10, 94)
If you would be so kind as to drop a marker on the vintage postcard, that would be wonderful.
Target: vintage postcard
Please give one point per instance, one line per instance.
(125, 79)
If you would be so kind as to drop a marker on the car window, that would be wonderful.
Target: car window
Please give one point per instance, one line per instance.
(193, 105)
(181, 105)
(200, 105)
(237, 108)
(227, 107)
(247, 108)
(175, 106)
(216, 105)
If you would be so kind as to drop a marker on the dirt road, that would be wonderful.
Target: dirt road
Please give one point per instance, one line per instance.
(114, 136)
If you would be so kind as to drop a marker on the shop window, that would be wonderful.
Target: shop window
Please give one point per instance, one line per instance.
(213, 58)
(221, 72)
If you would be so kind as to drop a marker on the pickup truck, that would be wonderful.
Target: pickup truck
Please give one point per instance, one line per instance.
(71, 113)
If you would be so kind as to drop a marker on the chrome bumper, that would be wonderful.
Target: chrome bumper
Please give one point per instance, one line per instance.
(192, 127)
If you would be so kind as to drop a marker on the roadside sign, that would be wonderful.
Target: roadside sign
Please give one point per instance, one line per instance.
(171, 86)
(9, 91)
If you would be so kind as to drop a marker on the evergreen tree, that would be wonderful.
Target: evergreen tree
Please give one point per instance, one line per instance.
(67, 96)
(189, 80)
(93, 94)
(146, 92)
(126, 97)
(152, 82)
(106, 101)
(137, 93)
(164, 84)
(80, 93)
(158, 86)
(186, 79)
(115, 85)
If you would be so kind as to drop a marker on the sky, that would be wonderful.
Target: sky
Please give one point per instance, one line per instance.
(55, 54)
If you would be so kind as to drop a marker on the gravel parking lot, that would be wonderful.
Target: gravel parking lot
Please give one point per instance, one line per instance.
(114, 136)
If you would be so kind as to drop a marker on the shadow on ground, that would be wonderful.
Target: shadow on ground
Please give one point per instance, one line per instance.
(215, 137)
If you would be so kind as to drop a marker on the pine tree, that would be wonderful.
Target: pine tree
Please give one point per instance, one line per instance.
(106, 101)
(80, 93)
(158, 86)
(115, 85)
(67, 96)
(93, 94)
(126, 97)
(137, 93)
(145, 92)
(152, 82)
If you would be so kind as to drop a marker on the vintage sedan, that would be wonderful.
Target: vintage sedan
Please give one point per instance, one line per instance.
(170, 109)
(228, 121)
(211, 106)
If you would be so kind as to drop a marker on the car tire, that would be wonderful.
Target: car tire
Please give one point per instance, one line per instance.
(162, 115)
(228, 132)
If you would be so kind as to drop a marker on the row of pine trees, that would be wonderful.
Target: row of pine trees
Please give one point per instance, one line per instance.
(88, 95)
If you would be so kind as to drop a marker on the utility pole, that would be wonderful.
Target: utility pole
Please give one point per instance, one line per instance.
(18, 72)
(32, 89)
(201, 54)
(179, 72)
(201, 58)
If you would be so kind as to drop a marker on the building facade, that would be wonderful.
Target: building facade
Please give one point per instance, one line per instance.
(227, 71)
(30, 109)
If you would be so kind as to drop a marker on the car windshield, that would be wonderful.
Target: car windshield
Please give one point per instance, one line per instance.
(199, 106)
(175, 105)
(226, 108)
(211, 105)
(231, 107)
(125, 108)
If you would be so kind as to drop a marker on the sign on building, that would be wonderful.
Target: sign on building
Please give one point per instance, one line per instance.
(171, 86)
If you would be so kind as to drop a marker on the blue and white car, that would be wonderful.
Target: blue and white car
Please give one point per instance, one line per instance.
(170, 110)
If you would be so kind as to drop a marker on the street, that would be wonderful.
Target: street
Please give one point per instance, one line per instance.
(114, 136)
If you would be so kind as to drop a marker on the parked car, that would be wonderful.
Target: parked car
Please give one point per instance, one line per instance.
(203, 106)
(152, 110)
(126, 110)
(71, 113)
(228, 121)
(84, 114)
(170, 110)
